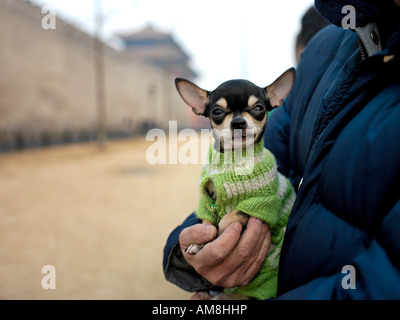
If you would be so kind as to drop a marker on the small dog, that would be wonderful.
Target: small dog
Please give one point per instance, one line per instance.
(241, 177)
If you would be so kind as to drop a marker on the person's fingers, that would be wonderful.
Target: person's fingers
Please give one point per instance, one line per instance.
(249, 254)
(249, 239)
(255, 266)
(216, 251)
(231, 259)
(199, 233)
(262, 244)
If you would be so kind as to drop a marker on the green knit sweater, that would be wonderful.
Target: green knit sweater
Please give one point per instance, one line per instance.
(248, 180)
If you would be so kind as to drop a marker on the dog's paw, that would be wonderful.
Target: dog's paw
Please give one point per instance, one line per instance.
(194, 248)
(231, 217)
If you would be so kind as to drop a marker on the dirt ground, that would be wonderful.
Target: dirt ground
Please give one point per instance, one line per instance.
(101, 218)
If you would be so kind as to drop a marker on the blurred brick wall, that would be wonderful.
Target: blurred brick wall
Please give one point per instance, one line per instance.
(47, 84)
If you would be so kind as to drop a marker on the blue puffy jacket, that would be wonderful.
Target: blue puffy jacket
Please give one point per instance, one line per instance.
(339, 134)
(337, 137)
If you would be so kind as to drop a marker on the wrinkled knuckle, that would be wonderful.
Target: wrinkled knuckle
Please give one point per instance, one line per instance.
(243, 253)
(215, 254)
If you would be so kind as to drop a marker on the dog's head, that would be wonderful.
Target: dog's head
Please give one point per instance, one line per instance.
(237, 109)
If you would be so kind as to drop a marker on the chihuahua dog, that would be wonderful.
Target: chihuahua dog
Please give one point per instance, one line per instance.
(238, 111)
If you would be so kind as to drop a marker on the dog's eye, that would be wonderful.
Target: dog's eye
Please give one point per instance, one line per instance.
(217, 112)
(259, 108)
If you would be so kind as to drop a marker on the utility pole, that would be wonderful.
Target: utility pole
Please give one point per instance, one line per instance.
(99, 75)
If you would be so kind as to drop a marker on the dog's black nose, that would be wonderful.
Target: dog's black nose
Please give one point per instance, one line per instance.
(238, 123)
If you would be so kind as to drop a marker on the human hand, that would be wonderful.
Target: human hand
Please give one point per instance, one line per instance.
(231, 260)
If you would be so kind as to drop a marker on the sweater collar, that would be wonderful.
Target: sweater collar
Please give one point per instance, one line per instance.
(232, 160)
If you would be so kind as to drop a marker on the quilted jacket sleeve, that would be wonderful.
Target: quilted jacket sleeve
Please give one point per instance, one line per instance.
(375, 275)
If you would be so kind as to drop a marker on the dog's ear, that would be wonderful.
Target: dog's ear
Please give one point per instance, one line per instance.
(280, 88)
(194, 96)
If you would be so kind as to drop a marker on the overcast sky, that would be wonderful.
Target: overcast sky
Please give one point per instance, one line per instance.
(226, 39)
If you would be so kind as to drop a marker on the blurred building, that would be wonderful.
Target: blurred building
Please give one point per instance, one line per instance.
(159, 49)
(47, 83)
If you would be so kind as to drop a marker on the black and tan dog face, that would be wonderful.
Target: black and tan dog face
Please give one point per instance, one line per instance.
(237, 109)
